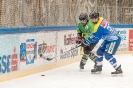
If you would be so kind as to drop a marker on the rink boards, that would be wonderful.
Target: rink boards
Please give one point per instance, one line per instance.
(29, 50)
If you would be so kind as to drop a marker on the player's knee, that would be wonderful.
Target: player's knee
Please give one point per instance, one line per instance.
(99, 58)
(87, 52)
(99, 52)
(108, 56)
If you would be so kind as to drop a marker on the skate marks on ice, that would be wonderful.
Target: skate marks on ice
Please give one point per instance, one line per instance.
(126, 64)
(117, 75)
(70, 77)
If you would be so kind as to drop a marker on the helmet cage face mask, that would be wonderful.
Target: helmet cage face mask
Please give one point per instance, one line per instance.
(94, 20)
(83, 17)
(94, 17)
(83, 22)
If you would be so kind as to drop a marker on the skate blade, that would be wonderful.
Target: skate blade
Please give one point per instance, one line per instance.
(117, 75)
(98, 72)
(81, 70)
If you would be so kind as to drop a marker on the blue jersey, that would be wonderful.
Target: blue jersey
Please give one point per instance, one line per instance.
(103, 30)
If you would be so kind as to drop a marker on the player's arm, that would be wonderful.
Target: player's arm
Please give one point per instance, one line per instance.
(95, 37)
(101, 32)
(79, 35)
(78, 29)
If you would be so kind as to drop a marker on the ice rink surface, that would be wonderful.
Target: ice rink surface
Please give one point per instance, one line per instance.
(70, 77)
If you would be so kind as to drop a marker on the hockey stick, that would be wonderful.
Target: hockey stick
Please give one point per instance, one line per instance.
(49, 59)
(73, 48)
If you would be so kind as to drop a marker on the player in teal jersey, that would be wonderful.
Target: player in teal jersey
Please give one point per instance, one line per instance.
(84, 30)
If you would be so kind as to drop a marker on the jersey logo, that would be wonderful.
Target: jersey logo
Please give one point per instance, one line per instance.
(86, 27)
(104, 23)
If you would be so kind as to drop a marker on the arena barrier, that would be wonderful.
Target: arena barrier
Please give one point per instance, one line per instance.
(28, 50)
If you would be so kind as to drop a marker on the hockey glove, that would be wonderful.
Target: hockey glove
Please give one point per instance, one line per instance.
(79, 39)
(85, 43)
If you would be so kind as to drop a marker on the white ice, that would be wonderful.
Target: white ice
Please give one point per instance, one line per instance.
(70, 77)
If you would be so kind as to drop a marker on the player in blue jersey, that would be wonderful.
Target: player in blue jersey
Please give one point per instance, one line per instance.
(108, 48)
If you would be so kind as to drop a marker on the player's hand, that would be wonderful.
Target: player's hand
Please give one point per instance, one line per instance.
(85, 43)
(79, 39)
(78, 42)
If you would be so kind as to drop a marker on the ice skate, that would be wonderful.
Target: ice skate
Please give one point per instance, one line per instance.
(81, 68)
(96, 70)
(95, 64)
(118, 72)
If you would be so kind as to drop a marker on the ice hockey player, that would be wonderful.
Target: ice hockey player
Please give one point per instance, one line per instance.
(84, 30)
(108, 48)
